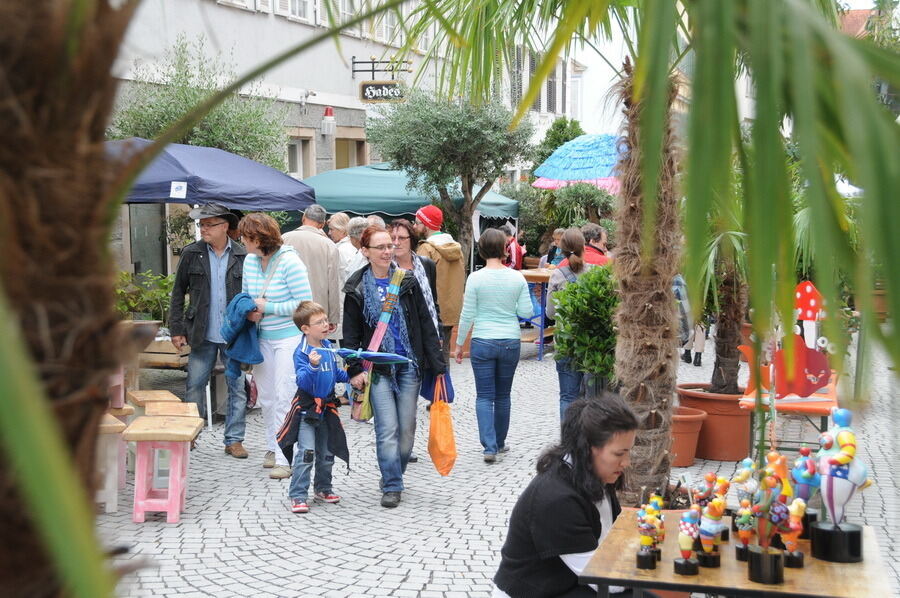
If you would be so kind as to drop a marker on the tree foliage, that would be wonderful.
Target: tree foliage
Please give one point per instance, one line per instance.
(584, 323)
(579, 203)
(451, 149)
(561, 130)
(252, 127)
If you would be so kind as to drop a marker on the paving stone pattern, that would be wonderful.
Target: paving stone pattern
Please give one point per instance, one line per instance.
(237, 537)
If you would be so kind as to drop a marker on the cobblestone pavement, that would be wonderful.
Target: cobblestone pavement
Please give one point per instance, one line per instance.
(237, 537)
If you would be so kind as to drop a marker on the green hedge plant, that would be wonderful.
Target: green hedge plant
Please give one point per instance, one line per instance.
(584, 323)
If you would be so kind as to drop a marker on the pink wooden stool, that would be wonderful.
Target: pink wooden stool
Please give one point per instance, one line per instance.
(123, 414)
(108, 451)
(116, 389)
(161, 433)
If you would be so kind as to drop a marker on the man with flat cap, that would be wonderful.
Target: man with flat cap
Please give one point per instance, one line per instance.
(210, 273)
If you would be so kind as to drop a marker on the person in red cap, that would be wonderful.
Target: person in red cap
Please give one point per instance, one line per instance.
(448, 259)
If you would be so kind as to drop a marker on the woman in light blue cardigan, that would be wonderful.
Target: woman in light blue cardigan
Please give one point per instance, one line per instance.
(288, 285)
(495, 298)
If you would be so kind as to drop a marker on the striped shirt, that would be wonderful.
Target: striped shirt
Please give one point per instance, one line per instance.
(289, 286)
(494, 301)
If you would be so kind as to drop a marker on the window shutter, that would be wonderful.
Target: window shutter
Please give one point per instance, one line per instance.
(515, 79)
(282, 7)
(532, 67)
(264, 6)
(562, 88)
(551, 91)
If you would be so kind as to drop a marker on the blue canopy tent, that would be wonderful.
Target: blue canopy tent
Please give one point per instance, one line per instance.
(379, 188)
(192, 174)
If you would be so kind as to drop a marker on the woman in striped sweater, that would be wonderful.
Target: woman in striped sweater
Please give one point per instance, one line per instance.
(495, 298)
(275, 276)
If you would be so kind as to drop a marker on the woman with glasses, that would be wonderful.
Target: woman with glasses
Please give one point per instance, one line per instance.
(411, 333)
(276, 278)
(424, 269)
(495, 298)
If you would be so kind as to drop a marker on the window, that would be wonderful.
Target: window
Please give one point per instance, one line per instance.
(515, 79)
(576, 96)
(300, 9)
(551, 90)
(533, 59)
(299, 158)
(390, 30)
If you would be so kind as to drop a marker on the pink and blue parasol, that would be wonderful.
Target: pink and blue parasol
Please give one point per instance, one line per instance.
(586, 159)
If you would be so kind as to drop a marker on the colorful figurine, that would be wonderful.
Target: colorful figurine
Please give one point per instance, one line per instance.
(703, 491)
(805, 475)
(841, 472)
(650, 527)
(771, 513)
(711, 528)
(777, 465)
(793, 557)
(745, 522)
(688, 531)
(745, 481)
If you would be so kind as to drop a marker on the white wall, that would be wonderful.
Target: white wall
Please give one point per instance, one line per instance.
(598, 110)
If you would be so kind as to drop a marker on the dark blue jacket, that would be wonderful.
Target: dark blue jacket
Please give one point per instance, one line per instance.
(241, 342)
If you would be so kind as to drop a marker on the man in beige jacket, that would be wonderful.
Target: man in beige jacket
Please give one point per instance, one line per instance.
(323, 263)
(451, 270)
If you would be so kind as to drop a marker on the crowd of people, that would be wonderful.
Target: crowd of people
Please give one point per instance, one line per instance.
(299, 295)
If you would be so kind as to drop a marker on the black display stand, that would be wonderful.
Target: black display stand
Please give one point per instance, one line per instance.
(766, 565)
(793, 560)
(646, 559)
(741, 552)
(836, 543)
(809, 517)
(687, 566)
(710, 560)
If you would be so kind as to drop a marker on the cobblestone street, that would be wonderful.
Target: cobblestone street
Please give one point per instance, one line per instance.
(237, 537)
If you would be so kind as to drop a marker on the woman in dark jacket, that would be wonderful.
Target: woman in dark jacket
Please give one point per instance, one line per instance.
(411, 332)
(570, 506)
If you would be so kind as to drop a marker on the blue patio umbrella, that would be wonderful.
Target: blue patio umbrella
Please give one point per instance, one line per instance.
(197, 175)
(373, 356)
(585, 158)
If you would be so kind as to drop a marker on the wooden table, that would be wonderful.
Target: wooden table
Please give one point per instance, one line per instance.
(539, 276)
(614, 564)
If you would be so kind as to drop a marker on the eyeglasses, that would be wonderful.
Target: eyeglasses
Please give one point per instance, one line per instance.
(382, 247)
(324, 322)
(211, 225)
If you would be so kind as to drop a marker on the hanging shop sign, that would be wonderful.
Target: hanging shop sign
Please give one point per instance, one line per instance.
(381, 91)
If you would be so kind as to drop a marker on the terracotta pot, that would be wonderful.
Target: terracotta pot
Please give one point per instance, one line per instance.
(725, 435)
(686, 424)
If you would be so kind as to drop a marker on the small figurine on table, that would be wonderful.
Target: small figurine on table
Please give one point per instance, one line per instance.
(777, 465)
(711, 528)
(766, 564)
(649, 526)
(807, 479)
(842, 473)
(704, 490)
(688, 531)
(745, 481)
(745, 522)
(792, 556)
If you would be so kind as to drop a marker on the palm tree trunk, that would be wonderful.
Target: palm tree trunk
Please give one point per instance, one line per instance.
(646, 354)
(732, 305)
(57, 211)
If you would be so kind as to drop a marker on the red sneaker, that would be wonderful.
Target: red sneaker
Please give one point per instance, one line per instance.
(326, 497)
(299, 506)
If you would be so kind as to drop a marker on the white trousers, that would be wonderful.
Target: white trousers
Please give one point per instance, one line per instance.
(276, 385)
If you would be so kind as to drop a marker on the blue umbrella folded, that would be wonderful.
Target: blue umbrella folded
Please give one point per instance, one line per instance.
(373, 356)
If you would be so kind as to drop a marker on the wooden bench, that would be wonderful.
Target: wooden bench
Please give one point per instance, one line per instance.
(162, 354)
(109, 455)
(161, 433)
(139, 398)
(170, 408)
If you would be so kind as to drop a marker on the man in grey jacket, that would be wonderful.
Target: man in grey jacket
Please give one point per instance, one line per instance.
(210, 271)
(323, 262)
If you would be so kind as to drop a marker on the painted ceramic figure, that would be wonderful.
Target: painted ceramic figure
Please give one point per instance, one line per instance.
(745, 522)
(711, 526)
(841, 472)
(795, 524)
(649, 526)
(771, 513)
(688, 531)
(805, 475)
(745, 481)
(704, 491)
(777, 465)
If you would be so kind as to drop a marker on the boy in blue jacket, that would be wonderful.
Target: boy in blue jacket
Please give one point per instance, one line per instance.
(312, 420)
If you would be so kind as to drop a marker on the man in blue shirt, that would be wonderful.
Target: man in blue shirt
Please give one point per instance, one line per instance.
(210, 272)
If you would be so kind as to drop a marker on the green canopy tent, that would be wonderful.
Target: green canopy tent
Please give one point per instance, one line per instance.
(377, 188)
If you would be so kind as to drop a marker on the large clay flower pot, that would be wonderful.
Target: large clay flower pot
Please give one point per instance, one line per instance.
(725, 435)
(686, 424)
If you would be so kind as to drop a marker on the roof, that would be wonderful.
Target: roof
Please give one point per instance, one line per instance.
(853, 22)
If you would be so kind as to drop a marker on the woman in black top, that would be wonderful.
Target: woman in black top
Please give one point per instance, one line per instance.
(562, 515)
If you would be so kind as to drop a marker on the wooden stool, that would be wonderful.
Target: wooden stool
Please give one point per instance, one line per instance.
(116, 390)
(123, 414)
(159, 433)
(169, 408)
(108, 462)
(139, 398)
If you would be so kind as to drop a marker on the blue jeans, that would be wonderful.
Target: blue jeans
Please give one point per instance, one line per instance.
(569, 385)
(311, 448)
(494, 363)
(395, 424)
(200, 366)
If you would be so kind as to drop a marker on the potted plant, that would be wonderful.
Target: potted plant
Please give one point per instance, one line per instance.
(584, 326)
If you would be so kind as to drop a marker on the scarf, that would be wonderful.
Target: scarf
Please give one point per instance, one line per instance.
(372, 307)
(422, 277)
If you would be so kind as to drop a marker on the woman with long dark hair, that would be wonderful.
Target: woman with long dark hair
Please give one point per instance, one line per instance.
(411, 333)
(570, 506)
(571, 244)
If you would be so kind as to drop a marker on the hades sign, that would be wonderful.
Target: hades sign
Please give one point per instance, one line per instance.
(381, 91)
